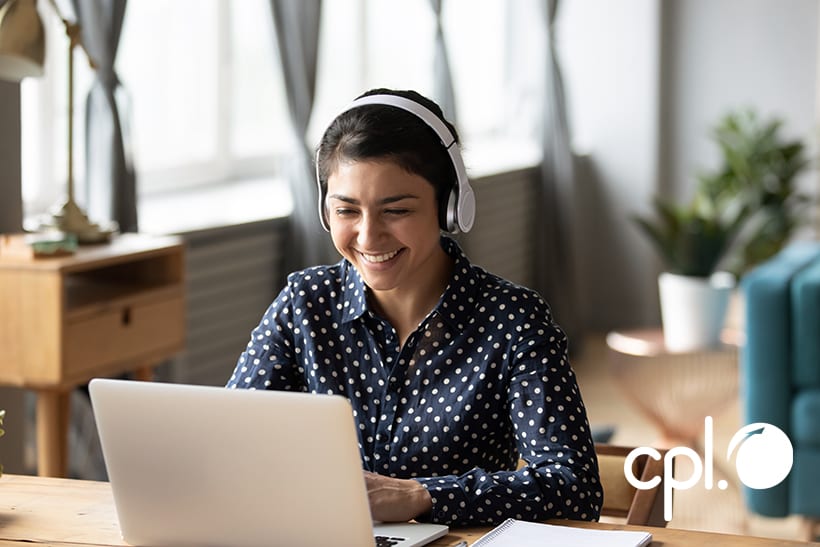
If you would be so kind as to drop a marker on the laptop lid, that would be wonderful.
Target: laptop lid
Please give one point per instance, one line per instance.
(197, 465)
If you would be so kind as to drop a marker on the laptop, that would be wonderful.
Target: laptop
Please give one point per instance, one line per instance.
(206, 466)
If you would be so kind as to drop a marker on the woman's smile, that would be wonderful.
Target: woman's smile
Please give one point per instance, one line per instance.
(379, 258)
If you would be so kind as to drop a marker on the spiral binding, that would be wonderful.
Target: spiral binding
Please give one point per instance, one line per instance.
(494, 533)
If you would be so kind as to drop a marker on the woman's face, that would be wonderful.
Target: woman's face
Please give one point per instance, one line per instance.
(384, 220)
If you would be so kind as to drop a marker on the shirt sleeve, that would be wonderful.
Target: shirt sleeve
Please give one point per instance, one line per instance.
(552, 432)
(268, 360)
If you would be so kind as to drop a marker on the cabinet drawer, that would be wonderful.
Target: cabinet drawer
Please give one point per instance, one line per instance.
(123, 334)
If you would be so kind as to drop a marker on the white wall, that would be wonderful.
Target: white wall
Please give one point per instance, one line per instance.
(726, 54)
(610, 55)
(648, 79)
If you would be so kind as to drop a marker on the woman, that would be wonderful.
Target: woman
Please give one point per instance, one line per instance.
(452, 372)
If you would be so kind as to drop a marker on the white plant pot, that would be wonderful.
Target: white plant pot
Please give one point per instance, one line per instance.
(693, 309)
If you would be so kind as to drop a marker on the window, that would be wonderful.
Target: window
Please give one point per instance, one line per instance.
(205, 92)
(208, 99)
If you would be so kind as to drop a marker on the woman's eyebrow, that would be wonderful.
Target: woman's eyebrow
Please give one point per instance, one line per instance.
(383, 201)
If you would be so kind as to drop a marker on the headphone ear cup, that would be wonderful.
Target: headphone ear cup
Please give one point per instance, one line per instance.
(448, 220)
(465, 213)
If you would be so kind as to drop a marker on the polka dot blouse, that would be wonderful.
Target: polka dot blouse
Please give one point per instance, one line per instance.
(483, 379)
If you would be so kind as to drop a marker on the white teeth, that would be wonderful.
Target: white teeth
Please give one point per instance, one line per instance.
(379, 258)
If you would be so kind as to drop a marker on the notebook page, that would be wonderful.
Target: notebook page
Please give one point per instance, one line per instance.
(519, 533)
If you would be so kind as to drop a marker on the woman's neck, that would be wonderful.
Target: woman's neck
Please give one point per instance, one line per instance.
(405, 307)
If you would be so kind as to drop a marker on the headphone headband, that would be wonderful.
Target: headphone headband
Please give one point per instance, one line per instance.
(460, 212)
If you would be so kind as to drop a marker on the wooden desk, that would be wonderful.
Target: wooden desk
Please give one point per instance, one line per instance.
(106, 310)
(63, 512)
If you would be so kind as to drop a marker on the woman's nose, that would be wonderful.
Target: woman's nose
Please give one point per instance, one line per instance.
(370, 228)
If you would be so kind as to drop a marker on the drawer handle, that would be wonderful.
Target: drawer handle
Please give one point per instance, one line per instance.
(126, 316)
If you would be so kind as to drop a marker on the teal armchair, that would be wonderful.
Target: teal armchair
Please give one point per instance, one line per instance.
(780, 372)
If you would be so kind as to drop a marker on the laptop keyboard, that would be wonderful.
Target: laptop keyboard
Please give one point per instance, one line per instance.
(387, 541)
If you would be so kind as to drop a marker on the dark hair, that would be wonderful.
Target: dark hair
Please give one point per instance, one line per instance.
(383, 132)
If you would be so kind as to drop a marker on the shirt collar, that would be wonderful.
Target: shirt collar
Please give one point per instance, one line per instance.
(454, 305)
(457, 302)
(354, 295)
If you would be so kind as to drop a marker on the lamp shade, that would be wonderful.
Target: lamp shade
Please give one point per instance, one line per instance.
(22, 40)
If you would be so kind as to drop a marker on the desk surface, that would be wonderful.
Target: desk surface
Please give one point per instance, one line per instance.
(72, 513)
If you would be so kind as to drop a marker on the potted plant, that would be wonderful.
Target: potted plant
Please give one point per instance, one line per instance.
(740, 215)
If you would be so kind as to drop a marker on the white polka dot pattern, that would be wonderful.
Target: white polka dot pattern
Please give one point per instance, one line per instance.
(484, 378)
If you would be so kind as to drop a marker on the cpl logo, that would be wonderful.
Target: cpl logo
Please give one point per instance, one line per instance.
(764, 459)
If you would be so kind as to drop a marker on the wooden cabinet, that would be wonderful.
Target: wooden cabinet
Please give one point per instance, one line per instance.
(108, 309)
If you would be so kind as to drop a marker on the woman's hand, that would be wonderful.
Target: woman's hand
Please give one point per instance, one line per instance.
(396, 500)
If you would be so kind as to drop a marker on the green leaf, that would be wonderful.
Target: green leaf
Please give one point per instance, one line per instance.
(741, 213)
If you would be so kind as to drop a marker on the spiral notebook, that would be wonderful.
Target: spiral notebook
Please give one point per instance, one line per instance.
(520, 533)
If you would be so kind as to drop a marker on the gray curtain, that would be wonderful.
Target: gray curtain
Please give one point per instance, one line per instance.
(297, 34)
(554, 253)
(443, 80)
(11, 193)
(111, 192)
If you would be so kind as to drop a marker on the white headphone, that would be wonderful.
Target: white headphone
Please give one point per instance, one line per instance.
(460, 212)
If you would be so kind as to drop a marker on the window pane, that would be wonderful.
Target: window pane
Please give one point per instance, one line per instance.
(260, 123)
(400, 45)
(477, 49)
(340, 75)
(168, 62)
(524, 71)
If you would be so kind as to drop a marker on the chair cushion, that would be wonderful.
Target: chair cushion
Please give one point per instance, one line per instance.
(805, 309)
(767, 379)
(766, 358)
(805, 430)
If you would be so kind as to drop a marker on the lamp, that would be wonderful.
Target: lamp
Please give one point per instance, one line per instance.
(22, 54)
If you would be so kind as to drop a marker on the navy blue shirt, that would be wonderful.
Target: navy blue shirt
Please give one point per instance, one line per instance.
(483, 379)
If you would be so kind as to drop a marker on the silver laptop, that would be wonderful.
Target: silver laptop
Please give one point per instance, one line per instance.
(207, 466)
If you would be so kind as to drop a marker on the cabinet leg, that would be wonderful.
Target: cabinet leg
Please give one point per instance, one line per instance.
(53, 412)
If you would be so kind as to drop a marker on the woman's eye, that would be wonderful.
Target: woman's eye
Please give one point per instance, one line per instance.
(397, 212)
(345, 212)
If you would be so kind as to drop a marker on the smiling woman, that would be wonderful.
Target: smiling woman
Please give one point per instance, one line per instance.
(453, 373)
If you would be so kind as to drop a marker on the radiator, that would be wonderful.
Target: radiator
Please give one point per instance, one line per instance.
(501, 239)
(233, 274)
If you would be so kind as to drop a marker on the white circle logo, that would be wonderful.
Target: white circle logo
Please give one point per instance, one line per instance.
(764, 455)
